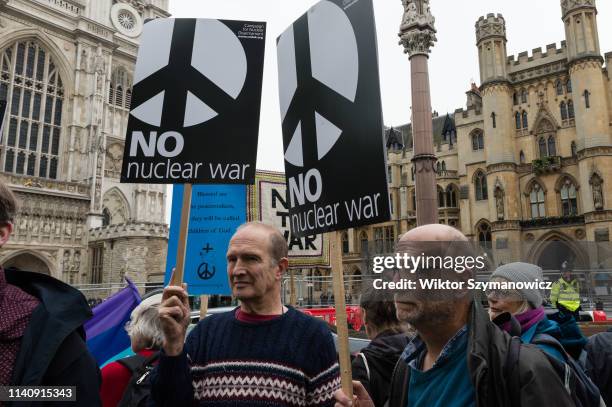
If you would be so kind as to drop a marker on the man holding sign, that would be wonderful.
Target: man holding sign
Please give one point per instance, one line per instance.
(260, 352)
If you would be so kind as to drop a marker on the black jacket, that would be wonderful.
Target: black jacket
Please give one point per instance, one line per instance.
(599, 363)
(382, 355)
(53, 350)
(488, 347)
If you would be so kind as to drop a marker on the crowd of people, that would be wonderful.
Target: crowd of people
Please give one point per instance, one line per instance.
(428, 347)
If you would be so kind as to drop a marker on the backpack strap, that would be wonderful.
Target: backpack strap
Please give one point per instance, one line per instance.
(138, 362)
(512, 372)
(132, 363)
(365, 363)
(398, 392)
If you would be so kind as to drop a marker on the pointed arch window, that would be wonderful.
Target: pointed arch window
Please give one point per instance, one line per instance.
(568, 86)
(111, 93)
(569, 200)
(480, 186)
(345, 243)
(552, 147)
(525, 122)
(477, 140)
(30, 81)
(128, 98)
(451, 196)
(484, 236)
(542, 147)
(559, 87)
(441, 198)
(119, 96)
(563, 108)
(536, 201)
(517, 119)
(444, 166)
(522, 157)
(570, 109)
(120, 89)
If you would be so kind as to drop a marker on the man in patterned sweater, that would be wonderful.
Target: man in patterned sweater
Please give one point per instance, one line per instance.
(260, 354)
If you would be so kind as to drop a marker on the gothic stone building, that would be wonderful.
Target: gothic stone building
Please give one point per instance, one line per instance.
(528, 160)
(66, 68)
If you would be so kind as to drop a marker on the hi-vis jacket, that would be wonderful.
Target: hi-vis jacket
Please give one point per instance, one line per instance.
(566, 294)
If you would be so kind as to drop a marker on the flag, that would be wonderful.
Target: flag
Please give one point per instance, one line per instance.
(106, 334)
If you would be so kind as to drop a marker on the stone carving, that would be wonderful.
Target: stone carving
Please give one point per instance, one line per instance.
(76, 262)
(66, 261)
(412, 14)
(499, 203)
(114, 156)
(47, 227)
(68, 229)
(417, 32)
(84, 60)
(597, 187)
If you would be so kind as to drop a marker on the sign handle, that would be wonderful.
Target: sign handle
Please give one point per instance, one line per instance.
(179, 273)
(292, 296)
(203, 306)
(341, 320)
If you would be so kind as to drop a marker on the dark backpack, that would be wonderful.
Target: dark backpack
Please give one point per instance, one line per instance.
(578, 385)
(138, 389)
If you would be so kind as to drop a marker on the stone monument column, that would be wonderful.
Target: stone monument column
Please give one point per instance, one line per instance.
(417, 35)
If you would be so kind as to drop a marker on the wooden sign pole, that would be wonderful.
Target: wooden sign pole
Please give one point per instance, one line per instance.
(292, 294)
(179, 273)
(203, 306)
(341, 320)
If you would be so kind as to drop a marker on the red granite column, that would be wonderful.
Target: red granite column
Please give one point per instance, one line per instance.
(417, 35)
(424, 158)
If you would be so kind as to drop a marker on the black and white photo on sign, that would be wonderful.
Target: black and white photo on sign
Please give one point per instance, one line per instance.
(331, 119)
(196, 102)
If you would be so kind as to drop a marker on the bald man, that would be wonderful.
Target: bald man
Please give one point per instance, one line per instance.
(261, 353)
(458, 358)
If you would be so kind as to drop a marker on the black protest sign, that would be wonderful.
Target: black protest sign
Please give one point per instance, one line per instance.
(331, 118)
(195, 102)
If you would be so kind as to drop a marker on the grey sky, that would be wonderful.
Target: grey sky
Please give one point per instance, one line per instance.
(453, 62)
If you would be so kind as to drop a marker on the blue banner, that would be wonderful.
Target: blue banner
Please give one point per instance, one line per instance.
(216, 213)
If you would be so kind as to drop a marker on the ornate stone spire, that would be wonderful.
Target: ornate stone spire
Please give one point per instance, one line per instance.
(417, 32)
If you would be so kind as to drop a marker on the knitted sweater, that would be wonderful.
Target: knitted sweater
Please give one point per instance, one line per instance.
(287, 361)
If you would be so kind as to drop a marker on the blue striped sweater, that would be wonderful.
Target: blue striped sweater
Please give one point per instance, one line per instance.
(287, 361)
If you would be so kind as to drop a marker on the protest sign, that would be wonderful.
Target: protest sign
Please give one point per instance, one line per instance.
(331, 119)
(196, 97)
(216, 212)
(267, 202)
(197, 93)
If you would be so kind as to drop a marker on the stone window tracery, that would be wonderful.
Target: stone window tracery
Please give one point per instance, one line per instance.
(480, 186)
(120, 89)
(33, 88)
(569, 198)
(536, 201)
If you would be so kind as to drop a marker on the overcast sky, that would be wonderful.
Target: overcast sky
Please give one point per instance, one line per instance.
(453, 62)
